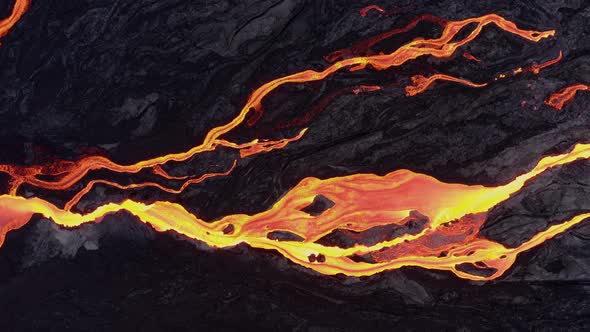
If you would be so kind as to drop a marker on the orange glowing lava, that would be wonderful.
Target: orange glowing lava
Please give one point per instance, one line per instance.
(454, 212)
(421, 83)
(558, 99)
(364, 11)
(361, 201)
(20, 7)
(471, 57)
(442, 47)
(364, 47)
(365, 88)
(534, 68)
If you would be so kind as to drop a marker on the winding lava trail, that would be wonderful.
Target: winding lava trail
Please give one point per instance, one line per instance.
(19, 9)
(558, 99)
(364, 11)
(454, 212)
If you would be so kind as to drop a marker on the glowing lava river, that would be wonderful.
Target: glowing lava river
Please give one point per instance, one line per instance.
(454, 212)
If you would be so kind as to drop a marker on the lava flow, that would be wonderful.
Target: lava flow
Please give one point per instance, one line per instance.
(452, 212)
(421, 83)
(443, 47)
(360, 204)
(471, 57)
(558, 99)
(364, 11)
(20, 7)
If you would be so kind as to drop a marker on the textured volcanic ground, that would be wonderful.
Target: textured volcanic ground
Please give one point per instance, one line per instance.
(133, 79)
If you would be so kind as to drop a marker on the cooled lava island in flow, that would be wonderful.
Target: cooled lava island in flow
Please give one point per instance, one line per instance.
(350, 143)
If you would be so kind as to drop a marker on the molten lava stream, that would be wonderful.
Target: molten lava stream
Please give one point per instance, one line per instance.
(364, 11)
(20, 7)
(534, 68)
(421, 83)
(442, 47)
(471, 57)
(558, 99)
(363, 48)
(362, 201)
(359, 205)
(74, 200)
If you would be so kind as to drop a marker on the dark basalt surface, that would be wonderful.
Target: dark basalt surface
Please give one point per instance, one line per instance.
(133, 79)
